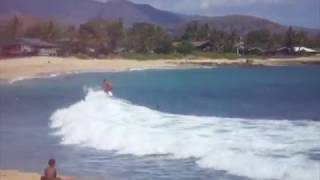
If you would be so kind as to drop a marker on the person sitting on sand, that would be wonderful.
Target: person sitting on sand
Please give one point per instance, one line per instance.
(50, 173)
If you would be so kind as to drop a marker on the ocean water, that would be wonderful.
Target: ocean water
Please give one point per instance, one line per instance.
(230, 123)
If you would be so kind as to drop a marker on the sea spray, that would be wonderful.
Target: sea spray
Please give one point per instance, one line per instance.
(260, 149)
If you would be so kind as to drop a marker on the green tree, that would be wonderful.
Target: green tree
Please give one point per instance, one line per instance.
(164, 46)
(185, 47)
(69, 42)
(289, 38)
(195, 31)
(313, 42)
(223, 42)
(259, 38)
(101, 35)
(218, 38)
(203, 32)
(14, 28)
(276, 40)
(144, 37)
(230, 41)
(191, 30)
(115, 33)
(46, 31)
(301, 39)
(139, 37)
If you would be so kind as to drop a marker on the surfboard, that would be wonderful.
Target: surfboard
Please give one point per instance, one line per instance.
(110, 93)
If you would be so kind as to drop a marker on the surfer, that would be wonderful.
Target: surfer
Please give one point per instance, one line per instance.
(107, 87)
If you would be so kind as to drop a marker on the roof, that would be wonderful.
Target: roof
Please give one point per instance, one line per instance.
(67, 40)
(283, 48)
(303, 49)
(35, 42)
(200, 43)
(256, 49)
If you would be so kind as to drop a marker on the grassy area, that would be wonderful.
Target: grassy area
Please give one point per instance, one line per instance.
(82, 56)
(215, 55)
(254, 57)
(194, 55)
(151, 56)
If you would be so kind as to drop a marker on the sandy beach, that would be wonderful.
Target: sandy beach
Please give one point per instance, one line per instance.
(33, 66)
(19, 175)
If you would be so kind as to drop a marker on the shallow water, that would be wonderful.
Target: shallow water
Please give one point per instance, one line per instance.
(225, 123)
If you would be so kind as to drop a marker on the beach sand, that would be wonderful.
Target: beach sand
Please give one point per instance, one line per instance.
(33, 66)
(18, 175)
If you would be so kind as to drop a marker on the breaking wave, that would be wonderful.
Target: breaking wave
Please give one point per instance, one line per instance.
(259, 149)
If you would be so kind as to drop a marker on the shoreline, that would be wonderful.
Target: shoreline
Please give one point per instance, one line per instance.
(12, 70)
(17, 69)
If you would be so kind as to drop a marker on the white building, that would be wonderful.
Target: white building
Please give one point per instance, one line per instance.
(303, 49)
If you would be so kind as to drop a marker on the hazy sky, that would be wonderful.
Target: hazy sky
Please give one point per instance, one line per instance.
(290, 12)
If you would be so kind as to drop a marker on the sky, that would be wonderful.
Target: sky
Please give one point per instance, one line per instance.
(288, 12)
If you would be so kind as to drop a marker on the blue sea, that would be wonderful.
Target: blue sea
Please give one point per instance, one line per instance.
(227, 123)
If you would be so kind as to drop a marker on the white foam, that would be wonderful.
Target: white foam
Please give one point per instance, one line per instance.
(260, 149)
(154, 68)
(44, 76)
(137, 69)
(22, 78)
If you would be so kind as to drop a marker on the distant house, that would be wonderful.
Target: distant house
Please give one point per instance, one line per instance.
(270, 52)
(203, 45)
(255, 51)
(239, 47)
(283, 51)
(67, 46)
(300, 50)
(40, 47)
(304, 50)
(12, 50)
(120, 50)
(29, 46)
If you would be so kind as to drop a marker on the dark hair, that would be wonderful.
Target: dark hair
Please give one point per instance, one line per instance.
(51, 162)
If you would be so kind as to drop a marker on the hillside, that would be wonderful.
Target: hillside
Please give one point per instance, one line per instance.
(80, 11)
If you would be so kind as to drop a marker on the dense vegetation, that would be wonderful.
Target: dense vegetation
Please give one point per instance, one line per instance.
(100, 38)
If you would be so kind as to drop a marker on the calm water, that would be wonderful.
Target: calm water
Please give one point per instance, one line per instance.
(225, 123)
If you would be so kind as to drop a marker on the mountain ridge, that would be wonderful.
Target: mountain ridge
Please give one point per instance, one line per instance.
(80, 11)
